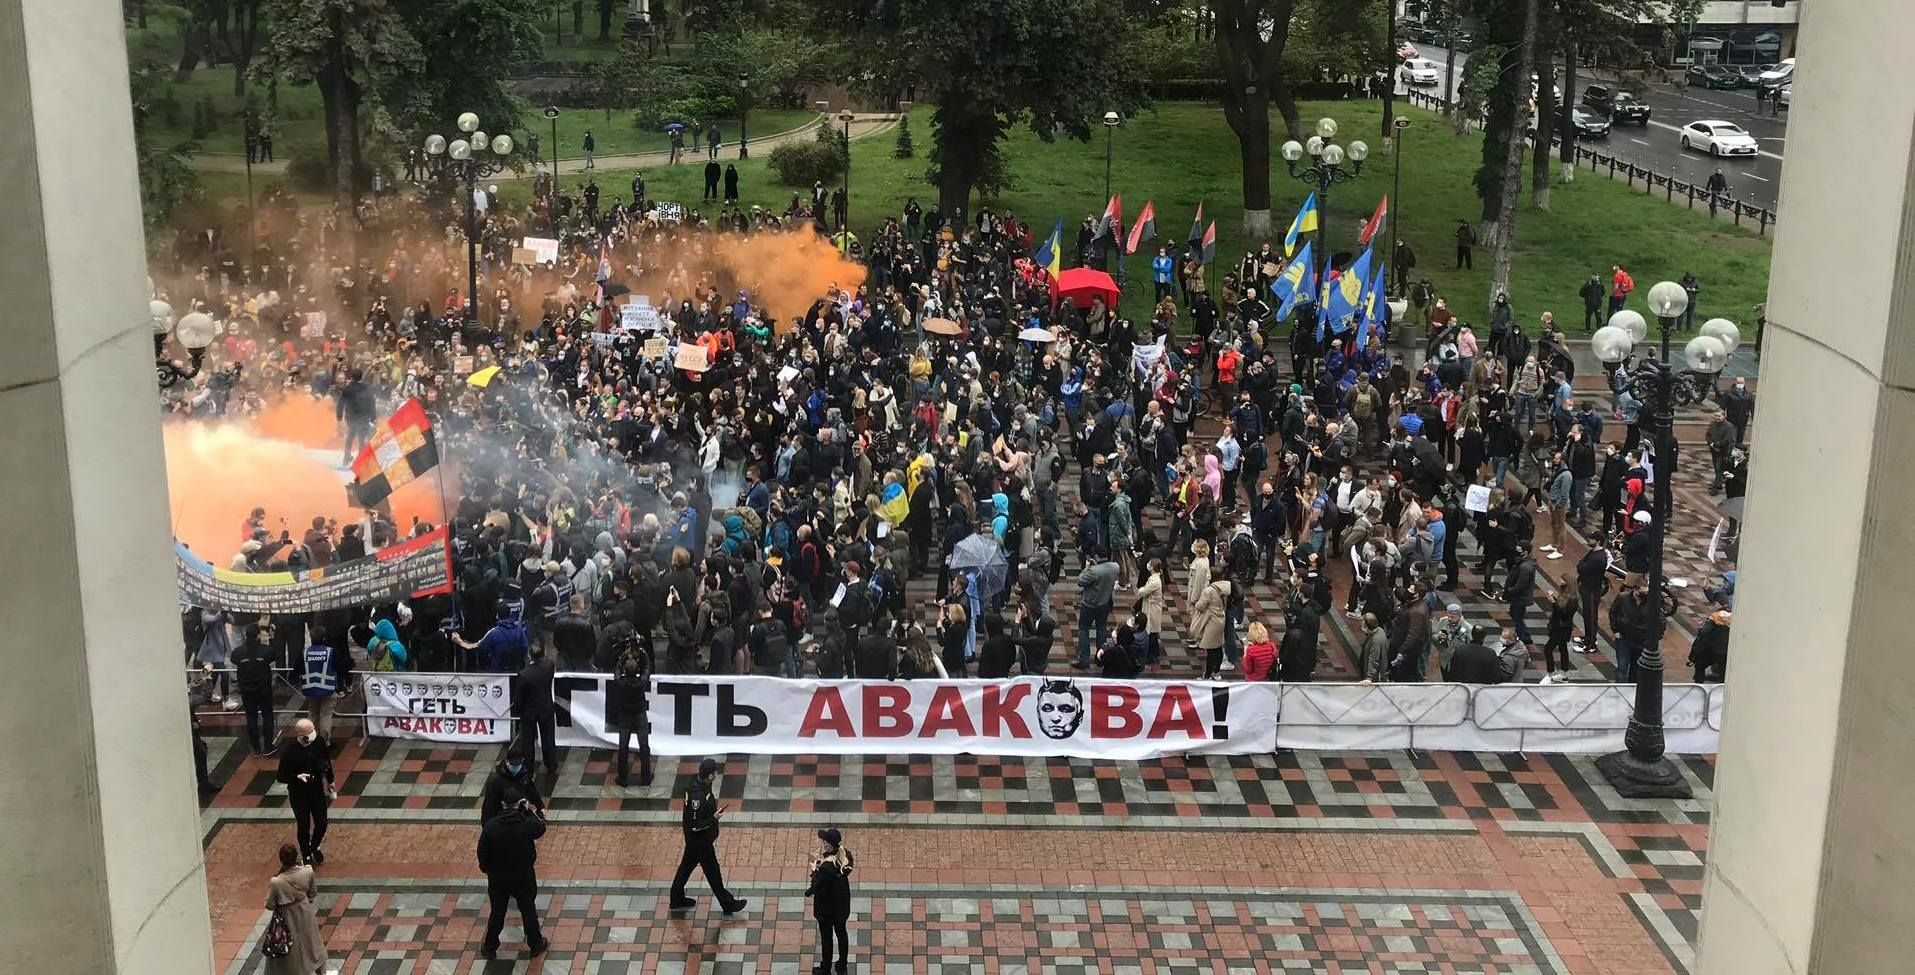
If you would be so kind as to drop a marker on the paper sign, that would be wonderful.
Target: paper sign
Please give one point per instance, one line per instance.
(691, 357)
(1477, 499)
(787, 374)
(315, 327)
(462, 365)
(603, 340)
(628, 316)
(524, 255)
(656, 348)
(545, 250)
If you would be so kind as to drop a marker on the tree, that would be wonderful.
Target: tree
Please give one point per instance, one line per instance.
(988, 65)
(1502, 233)
(246, 21)
(1251, 37)
(345, 48)
(1548, 41)
(489, 36)
(167, 178)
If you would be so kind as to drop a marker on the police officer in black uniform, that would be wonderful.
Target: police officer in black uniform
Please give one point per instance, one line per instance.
(508, 853)
(702, 813)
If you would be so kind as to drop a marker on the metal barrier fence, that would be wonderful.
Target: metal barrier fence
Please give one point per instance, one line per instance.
(1630, 173)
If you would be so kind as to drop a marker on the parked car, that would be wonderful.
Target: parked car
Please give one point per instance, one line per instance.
(1619, 105)
(1423, 71)
(1746, 75)
(1712, 76)
(1405, 50)
(1782, 95)
(1781, 74)
(1718, 138)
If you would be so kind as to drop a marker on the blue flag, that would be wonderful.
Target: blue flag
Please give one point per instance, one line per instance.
(1346, 293)
(1373, 309)
(1295, 284)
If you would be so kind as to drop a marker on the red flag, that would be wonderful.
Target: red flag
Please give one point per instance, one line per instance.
(1197, 224)
(1113, 223)
(1144, 229)
(402, 447)
(1210, 242)
(1375, 222)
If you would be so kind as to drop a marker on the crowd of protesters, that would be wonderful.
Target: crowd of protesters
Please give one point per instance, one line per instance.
(766, 514)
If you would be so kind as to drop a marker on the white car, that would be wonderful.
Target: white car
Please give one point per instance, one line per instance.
(1782, 94)
(1718, 138)
(1423, 71)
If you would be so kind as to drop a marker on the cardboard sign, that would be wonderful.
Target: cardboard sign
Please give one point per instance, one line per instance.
(691, 357)
(656, 348)
(545, 250)
(524, 255)
(462, 365)
(314, 327)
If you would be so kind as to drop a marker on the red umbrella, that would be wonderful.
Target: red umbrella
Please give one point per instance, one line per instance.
(1084, 285)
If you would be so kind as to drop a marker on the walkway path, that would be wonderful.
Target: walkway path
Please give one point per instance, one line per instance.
(862, 127)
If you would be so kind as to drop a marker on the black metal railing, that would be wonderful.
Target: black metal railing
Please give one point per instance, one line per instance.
(1631, 174)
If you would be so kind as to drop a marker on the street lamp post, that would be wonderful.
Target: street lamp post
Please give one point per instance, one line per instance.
(1642, 769)
(844, 226)
(744, 109)
(1396, 205)
(468, 162)
(1326, 169)
(195, 331)
(1111, 121)
(552, 192)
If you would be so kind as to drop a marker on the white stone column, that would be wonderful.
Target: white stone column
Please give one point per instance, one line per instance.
(1812, 851)
(100, 868)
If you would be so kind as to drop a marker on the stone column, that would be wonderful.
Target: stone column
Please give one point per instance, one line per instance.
(1813, 843)
(100, 868)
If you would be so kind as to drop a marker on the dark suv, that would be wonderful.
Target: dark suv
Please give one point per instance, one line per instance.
(1619, 105)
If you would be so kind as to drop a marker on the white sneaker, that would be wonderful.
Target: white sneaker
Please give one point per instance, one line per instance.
(217, 697)
(1555, 555)
(1549, 548)
(232, 705)
(1224, 668)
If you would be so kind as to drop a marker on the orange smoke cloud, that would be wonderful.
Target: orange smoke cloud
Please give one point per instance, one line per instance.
(787, 271)
(217, 473)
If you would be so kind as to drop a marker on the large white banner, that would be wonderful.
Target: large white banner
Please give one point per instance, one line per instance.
(439, 707)
(1090, 718)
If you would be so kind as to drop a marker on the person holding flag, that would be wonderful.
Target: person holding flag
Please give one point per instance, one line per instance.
(1049, 256)
(1304, 223)
(1295, 284)
(1346, 293)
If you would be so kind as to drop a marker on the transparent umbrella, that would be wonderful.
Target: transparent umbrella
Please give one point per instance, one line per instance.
(981, 556)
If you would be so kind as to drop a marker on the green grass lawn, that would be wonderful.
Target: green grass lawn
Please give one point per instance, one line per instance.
(616, 134)
(1182, 153)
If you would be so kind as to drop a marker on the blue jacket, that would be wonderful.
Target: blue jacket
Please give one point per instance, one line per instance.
(1161, 267)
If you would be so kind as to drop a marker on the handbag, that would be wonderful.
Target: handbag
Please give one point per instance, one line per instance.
(277, 942)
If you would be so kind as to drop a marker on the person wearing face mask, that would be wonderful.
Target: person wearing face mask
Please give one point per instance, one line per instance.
(305, 769)
(1738, 406)
(512, 772)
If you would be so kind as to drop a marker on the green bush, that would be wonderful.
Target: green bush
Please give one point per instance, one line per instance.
(904, 148)
(804, 163)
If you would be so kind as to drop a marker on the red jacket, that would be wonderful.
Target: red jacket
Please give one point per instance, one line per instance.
(1258, 658)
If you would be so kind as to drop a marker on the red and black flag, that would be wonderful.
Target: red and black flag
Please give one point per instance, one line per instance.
(1210, 243)
(402, 448)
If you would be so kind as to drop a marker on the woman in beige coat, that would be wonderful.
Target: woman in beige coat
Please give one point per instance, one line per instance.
(1207, 622)
(1150, 598)
(293, 889)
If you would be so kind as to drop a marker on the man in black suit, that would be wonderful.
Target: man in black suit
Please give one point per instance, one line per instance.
(1474, 662)
(538, 714)
(508, 851)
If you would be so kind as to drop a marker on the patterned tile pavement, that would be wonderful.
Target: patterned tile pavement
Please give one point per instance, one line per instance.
(1321, 859)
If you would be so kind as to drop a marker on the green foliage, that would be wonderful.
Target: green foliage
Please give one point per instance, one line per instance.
(989, 64)
(802, 163)
(1335, 38)
(309, 170)
(903, 149)
(167, 179)
(471, 45)
(1172, 53)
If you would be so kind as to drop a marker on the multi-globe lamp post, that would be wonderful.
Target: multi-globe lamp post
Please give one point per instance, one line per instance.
(195, 331)
(1643, 769)
(468, 159)
(1329, 165)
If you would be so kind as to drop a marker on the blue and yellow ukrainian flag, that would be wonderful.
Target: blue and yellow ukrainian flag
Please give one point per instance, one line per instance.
(1305, 223)
(1346, 293)
(1295, 284)
(1050, 254)
(1373, 308)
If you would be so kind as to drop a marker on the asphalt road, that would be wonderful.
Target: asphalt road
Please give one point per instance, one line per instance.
(1655, 147)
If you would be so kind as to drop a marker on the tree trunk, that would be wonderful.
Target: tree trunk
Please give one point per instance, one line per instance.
(139, 12)
(578, 21)
(1502, 245)
(1545, 131)
(1252, 79)
(246, 19)
(605, 19)
(192, 44)
(960, 141)
(1449, 63)
(1568, 126)
(339, 101)
(1387, 135)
